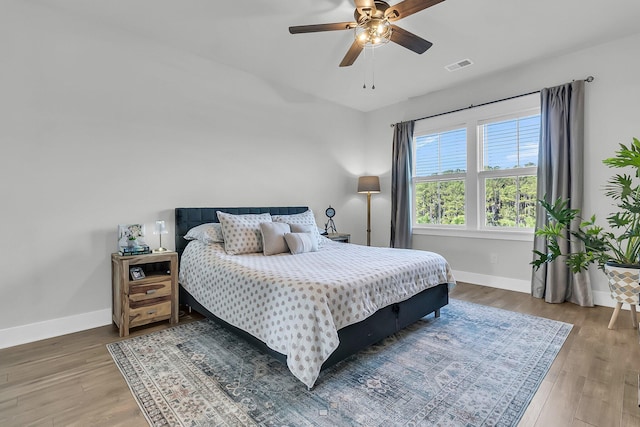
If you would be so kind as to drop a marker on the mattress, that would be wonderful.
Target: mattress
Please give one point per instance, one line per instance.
(296, 304)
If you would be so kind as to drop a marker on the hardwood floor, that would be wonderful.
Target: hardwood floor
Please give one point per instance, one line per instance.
(72, 380)
(69, 380)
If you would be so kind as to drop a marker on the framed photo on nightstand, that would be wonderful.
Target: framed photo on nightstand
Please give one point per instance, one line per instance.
(136, 273)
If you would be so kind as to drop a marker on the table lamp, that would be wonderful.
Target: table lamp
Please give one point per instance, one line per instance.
(160, 229)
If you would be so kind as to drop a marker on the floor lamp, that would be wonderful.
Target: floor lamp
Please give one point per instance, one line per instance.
(368, 185)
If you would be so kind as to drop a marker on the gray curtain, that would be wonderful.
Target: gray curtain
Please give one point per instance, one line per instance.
(560, 174)
(401, 174)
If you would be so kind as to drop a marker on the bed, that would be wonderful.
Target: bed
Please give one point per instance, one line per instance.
(310, 310)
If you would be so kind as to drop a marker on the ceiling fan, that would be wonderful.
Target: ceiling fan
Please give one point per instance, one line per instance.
(373, 26)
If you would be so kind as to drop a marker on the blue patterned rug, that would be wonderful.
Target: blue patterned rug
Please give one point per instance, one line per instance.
(473, 366)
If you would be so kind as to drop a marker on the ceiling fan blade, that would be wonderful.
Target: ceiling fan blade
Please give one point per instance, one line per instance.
(409, 40)
(364, 6)
(322, 27)
(408, 7)
(352, 54)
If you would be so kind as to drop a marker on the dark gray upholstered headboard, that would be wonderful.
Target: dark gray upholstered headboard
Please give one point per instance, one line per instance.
(187, 218)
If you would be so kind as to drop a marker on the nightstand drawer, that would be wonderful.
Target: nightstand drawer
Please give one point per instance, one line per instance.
(145, 291)
(144, 314)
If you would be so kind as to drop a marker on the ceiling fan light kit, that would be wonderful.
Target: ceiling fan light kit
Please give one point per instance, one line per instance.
(373, 33)
(374, 26)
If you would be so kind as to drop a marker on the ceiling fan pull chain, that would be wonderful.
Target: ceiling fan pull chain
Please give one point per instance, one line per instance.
(364, 70)
(373, 69)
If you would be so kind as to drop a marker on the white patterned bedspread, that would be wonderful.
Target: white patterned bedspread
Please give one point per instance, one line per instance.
(297, 303)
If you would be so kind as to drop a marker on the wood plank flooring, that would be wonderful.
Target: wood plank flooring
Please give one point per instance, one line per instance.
(72, 380)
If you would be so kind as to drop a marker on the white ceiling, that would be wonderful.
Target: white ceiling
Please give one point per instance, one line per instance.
(252, 35)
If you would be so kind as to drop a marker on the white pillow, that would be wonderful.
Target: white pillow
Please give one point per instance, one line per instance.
(207, 233)
(242, 232)
(304, 218)
(273, 237)
(301, 242)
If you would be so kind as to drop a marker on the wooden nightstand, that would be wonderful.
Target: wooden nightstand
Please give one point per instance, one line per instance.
(149, 299)
(339, 237)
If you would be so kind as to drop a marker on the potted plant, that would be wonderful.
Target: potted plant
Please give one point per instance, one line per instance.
(614, 250)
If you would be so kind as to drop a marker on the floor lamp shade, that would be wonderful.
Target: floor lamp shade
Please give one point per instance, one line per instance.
(368, 185)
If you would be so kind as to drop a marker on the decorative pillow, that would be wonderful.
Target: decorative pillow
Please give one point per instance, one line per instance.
(273, 237)
(304, 218)
(301, 242)
(207, 233)
(242, 232)
(301, 228)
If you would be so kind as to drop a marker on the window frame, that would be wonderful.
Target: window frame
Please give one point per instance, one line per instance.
(475, 193)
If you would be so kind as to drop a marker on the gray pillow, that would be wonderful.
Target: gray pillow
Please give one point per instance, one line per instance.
(273, 237)
(301, 242)
(302, 228)
(304, 218)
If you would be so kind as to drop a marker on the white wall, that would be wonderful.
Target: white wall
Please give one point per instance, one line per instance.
(612, 114)
(101, 127)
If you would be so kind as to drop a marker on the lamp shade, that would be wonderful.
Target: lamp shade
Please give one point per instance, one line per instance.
(160, 228)
(368, 184)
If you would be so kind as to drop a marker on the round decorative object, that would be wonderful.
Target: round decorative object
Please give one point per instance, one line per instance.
(330, 226)
(330, 212)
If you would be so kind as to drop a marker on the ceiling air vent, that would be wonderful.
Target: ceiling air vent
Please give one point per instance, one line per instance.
(460, 64)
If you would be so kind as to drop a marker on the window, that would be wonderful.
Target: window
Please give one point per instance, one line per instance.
(509, 167)
(476, 169)
(439, 183)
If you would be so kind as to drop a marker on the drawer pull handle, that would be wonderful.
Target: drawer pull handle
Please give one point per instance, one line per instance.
(151, 311)
(151, 291)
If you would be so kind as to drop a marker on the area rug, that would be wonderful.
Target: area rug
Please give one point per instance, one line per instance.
(473, 366)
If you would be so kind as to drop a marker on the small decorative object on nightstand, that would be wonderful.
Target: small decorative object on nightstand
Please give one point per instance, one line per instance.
(160, 229)
(145, 289)
(131, 240)
(339, 237)
(330, 226)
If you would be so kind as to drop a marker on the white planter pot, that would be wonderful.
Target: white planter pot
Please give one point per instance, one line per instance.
(623, 283)
(624, 287)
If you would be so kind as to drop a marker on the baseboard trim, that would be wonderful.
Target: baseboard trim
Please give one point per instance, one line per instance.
(602, 298)
(24, 334)
(506, 283)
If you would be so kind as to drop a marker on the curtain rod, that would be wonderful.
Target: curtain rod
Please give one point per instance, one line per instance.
(588, 80)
